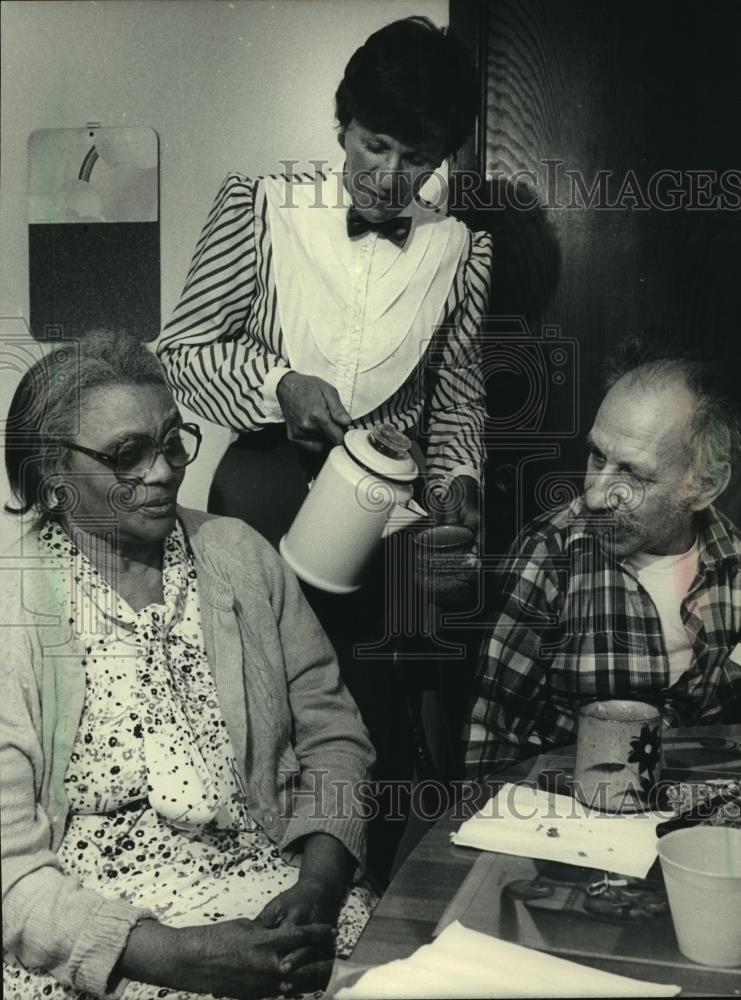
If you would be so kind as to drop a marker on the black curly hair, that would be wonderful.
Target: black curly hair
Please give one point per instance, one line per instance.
(413, 81)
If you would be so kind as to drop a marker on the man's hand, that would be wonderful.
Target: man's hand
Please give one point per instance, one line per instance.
(311, 900)
(312, 410)
(461, 504)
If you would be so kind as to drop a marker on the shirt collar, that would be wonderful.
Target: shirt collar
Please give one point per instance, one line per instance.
(718, 537)
(54, 541)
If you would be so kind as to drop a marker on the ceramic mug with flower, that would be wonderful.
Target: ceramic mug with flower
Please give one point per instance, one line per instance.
(618, 754)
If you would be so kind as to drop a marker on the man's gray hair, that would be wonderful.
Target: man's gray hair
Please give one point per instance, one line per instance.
(715, 425)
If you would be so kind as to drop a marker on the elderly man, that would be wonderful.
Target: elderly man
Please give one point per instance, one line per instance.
(631, 591)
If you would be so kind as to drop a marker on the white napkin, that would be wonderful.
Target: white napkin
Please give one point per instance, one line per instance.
(465, 963)
(531, 823)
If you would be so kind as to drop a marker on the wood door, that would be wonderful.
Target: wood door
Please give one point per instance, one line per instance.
(611, 145)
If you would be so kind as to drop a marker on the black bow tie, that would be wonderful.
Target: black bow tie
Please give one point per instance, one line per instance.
(396, 229)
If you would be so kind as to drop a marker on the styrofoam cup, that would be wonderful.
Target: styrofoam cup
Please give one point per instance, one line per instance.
(702, 872)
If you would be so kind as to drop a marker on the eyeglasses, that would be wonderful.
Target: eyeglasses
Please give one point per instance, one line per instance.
(137, 454)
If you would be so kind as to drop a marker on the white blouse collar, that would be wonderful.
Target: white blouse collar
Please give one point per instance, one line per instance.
(358, 313)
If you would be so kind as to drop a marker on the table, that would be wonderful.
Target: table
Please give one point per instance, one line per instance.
(432, 874)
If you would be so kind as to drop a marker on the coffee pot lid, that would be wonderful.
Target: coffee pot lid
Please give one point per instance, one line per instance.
(384, 451)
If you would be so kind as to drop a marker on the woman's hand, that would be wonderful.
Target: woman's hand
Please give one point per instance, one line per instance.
(242, 958)
(324, 878)
(310, 901)
(235, 958)
(461, 504)
(312, 410)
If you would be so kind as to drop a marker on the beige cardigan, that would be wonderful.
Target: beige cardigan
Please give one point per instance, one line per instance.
(300, 745)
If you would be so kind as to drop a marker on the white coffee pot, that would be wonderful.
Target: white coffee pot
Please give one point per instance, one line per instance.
(362, 494)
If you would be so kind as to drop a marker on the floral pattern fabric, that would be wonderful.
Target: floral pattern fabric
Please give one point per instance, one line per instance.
(151, 696)
(158, 816)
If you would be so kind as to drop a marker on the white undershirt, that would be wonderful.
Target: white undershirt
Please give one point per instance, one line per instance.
(667, 580)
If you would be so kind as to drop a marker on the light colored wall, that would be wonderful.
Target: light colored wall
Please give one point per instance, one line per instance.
(236, 85)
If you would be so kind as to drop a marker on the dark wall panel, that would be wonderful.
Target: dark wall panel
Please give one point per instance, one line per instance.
(85, 276)
(605, 97)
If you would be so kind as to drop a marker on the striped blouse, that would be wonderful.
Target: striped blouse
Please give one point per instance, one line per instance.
(224, 349)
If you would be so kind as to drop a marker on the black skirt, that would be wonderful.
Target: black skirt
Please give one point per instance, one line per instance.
(262, 479)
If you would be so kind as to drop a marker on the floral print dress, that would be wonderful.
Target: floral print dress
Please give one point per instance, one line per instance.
(158, 817)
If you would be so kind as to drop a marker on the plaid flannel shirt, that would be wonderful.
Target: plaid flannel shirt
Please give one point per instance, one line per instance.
(575, 625)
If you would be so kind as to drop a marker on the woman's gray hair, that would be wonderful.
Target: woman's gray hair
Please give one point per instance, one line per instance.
(715, 424)
(47, 403)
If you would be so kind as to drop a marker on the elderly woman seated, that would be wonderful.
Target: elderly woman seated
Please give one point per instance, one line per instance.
(179, 758)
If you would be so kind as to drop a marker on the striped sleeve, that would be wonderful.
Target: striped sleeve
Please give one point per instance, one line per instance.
(215, 365)
(457, 398)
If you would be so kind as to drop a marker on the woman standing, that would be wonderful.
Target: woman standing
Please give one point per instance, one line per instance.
(315, 303)
(319, 302)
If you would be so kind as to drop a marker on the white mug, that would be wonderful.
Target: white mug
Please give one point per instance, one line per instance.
(618, 755)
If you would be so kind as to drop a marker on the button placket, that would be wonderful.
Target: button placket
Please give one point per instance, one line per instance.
(349, 354)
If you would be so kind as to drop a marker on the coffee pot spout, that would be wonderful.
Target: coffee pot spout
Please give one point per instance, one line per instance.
(403, 515)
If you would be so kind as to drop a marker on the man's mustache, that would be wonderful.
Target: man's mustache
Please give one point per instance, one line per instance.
(605, 521)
